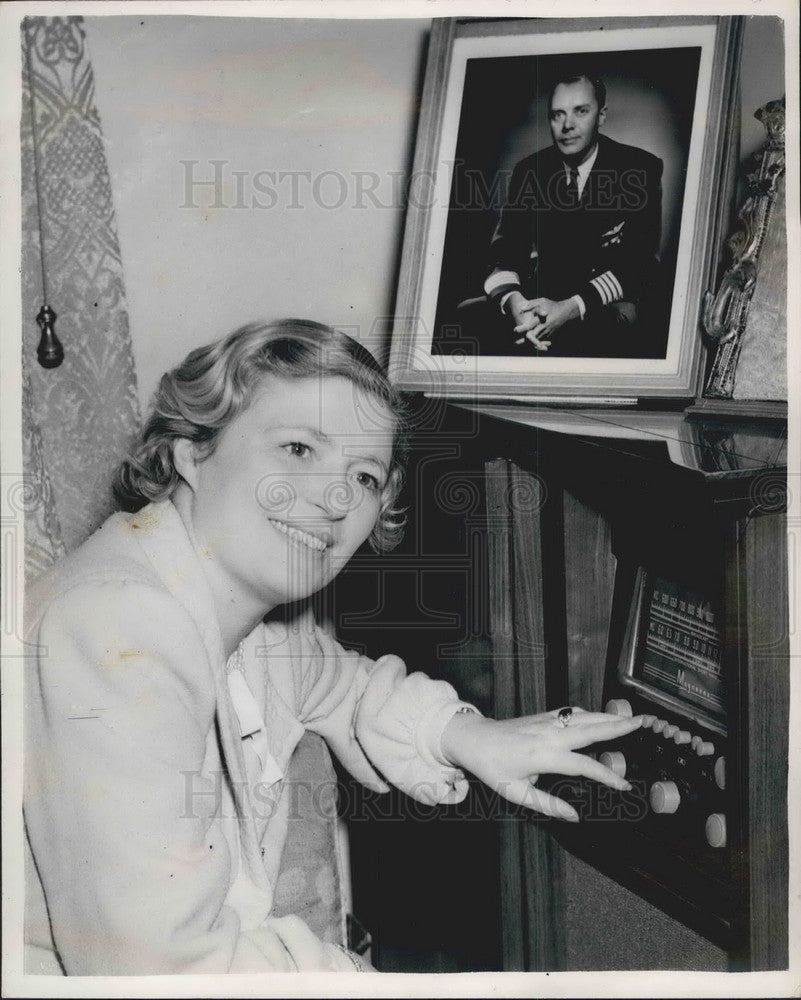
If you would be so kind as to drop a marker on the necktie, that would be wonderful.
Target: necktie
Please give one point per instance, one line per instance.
(572, 188)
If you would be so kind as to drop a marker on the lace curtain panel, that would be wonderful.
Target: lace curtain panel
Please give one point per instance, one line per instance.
(78, 419)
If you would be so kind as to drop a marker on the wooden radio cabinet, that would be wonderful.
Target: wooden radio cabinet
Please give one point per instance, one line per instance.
(650, 577)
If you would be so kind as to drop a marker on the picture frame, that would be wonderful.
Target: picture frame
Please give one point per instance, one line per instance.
(671, 85)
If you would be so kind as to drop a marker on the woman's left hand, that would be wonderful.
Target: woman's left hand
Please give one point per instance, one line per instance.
(509, 755)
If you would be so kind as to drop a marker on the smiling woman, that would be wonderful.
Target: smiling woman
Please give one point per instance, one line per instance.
(280, 506)
(163, 711)
(215, 384)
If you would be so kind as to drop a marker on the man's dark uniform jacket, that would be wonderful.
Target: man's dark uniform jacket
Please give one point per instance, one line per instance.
(603, 249)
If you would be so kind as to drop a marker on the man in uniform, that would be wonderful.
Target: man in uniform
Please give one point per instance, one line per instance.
(574, 256)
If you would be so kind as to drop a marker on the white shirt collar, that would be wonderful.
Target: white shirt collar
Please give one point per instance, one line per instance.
(584, 169)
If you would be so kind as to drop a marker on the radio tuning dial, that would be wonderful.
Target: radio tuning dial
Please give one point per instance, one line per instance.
(619, 706)
(681, 737)
(665, 797)
(670, 731)
(705, 749)
(716, 830)
(615, 761)
(658, 725)
(720, 773)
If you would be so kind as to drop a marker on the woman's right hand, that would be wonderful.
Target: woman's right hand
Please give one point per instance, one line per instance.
(509, 755)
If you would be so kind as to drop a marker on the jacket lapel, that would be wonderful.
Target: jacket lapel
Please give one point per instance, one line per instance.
(593, 189)
(170, 550)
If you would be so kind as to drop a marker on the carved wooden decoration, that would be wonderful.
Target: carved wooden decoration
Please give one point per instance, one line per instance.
(749, 322)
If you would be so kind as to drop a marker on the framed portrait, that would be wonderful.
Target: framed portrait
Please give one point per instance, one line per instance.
(566, 207)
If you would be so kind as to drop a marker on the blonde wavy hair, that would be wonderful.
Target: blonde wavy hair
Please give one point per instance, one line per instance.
(214, 384)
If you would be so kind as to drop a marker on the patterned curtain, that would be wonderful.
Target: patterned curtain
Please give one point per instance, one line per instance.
(78, 419)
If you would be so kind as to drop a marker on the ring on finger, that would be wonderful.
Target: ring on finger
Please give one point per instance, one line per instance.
(563, 716)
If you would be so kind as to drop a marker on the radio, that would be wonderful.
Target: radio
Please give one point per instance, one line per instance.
(670, 669)
(651, 580)
(678, 837)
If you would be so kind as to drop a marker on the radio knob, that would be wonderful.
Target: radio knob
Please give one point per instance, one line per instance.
(670, 731)
(658, 725)
(665, 797)
(615, 761)
(648, 721)
(720, 773)
(716, 830)
(705, 749)
(619, 706)
(695, 741)
(681, 737)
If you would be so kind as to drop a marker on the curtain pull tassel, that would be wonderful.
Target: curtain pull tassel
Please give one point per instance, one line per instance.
(49, 352)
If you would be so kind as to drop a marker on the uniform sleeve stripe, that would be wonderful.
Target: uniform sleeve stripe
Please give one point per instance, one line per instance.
(618, 289)
(600, 287)
(608, 287)
(498, 278)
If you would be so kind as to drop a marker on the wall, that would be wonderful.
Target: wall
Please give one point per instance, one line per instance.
(761, 76)
(333, 104)
(327, 100)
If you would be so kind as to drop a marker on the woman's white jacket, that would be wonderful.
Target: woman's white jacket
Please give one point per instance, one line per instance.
(155, 810)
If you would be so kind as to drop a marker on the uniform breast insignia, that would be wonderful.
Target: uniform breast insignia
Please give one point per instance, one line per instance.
(612, 236)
